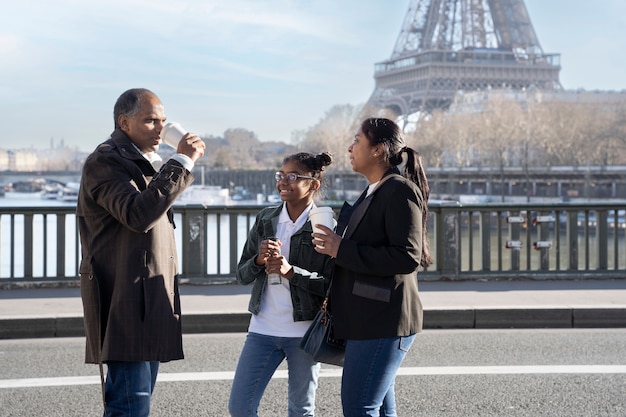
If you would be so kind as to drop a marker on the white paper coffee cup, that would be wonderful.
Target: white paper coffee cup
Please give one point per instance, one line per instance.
(323, 216)
(172, 133)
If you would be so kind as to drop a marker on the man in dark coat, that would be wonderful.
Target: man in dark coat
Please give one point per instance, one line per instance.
(128, 268)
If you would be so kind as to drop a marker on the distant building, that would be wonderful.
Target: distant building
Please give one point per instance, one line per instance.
(4, 160)
(20, 160)
(475, 101)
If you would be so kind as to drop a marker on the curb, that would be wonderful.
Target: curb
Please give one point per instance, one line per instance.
(526, 318)
(523, 318)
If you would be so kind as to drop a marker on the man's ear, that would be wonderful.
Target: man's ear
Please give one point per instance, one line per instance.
(122, 121)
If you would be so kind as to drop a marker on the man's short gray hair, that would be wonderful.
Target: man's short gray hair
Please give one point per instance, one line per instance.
(129, 103)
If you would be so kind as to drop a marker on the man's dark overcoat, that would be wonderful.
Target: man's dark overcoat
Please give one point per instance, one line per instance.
(128, 270)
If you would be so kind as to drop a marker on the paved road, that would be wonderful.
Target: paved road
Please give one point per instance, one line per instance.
(529, 373)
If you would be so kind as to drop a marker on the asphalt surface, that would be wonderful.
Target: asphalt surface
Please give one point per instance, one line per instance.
(446, 373)
(32, 311)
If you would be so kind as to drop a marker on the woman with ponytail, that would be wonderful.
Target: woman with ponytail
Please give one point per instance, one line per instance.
(379, 245)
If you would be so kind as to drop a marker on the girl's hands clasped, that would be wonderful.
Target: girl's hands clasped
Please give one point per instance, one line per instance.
(278, 264)
(267, 249)
(269, 255)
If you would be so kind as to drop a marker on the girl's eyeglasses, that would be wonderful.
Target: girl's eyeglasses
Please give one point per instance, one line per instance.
(290, 177)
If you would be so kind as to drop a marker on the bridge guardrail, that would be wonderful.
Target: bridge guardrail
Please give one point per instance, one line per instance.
(470, 241)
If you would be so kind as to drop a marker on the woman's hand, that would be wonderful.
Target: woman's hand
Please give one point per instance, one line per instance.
(327, 242)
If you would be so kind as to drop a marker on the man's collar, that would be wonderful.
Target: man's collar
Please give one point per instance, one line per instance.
(154, 158)
(123, 140)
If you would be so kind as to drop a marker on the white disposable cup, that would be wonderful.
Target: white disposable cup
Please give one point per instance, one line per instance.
(323, 216)
(172, 133)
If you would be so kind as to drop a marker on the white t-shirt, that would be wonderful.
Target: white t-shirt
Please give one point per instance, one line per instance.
(276, 315)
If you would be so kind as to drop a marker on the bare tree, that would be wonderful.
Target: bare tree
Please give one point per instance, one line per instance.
(333, 134)
(429, 138)
(496, 138)
(610, 135)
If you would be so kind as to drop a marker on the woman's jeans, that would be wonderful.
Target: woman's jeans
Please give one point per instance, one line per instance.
(369, 375)
(129, 387)
(260, 357)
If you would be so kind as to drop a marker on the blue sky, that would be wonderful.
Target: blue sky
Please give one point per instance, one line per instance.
(270, 66)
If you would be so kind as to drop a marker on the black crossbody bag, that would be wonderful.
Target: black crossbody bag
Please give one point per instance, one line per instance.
(319, 340)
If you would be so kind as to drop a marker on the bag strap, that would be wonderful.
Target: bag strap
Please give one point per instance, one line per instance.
(324, 306)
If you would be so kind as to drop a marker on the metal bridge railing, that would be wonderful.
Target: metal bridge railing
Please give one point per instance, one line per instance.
(476, 241)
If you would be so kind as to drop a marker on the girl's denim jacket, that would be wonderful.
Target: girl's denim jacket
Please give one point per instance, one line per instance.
(312, 270)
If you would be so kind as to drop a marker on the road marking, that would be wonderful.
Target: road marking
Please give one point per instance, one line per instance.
(333, 373)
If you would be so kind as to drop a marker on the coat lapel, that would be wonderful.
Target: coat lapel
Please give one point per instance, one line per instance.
(360, 208)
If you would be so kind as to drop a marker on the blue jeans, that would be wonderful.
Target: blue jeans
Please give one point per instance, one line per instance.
(129, 387)
(258, 361)
(369, 375)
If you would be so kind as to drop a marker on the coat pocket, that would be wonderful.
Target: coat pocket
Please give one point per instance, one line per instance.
(92, 313)
(373, 292)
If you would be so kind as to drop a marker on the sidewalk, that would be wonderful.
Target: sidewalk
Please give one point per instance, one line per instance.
(57, 312)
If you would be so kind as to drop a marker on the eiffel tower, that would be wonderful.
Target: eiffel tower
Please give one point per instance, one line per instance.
(448, 46)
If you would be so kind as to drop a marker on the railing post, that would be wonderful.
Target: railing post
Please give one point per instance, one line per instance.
(193, 244)
(60, 244)
(448, 242)
(485, 239)
(28, 245)
(543, 234)
(571, 231)
(602, 233)
(514, 236)
(232, 223)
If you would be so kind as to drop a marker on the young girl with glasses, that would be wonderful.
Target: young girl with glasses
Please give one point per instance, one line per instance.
(280, 243)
